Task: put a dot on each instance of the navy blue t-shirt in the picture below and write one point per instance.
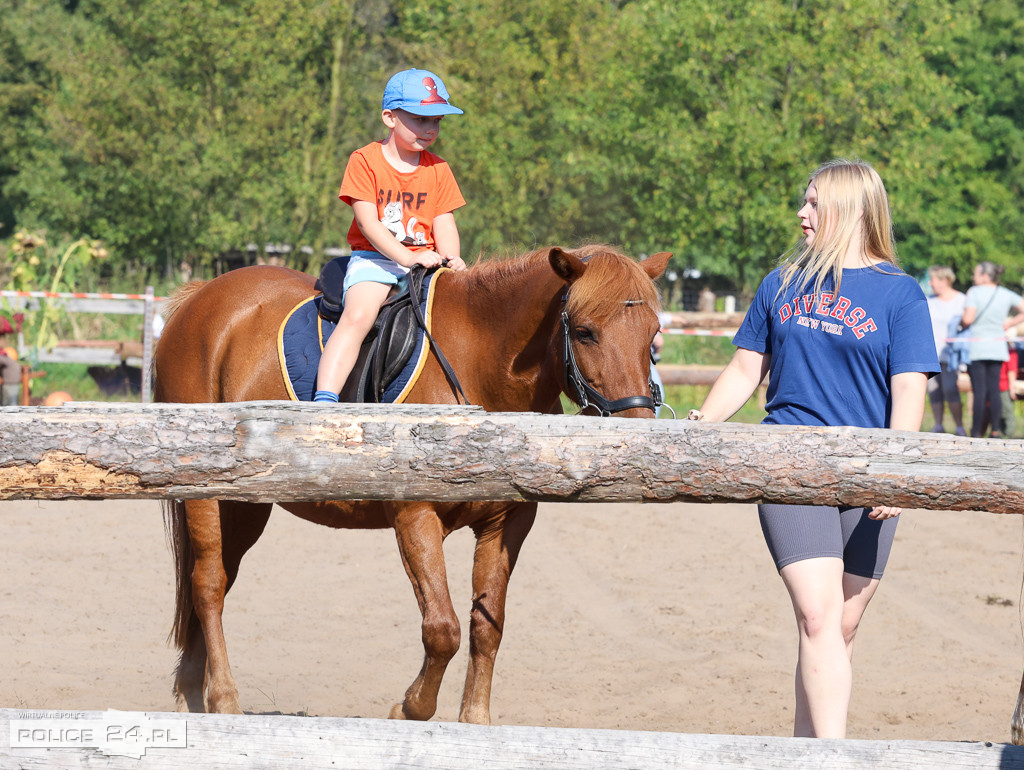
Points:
(833, 356)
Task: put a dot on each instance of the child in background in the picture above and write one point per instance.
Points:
(1008, 392)
(10, 369)
(402, 199)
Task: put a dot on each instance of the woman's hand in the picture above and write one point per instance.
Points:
(884, 512)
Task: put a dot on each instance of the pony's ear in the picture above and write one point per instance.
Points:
(568, 266)
(655, 264)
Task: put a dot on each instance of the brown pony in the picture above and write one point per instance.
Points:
(501, 326)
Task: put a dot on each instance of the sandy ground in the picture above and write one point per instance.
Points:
(658, 617)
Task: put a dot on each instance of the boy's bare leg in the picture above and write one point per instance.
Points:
(362, 303)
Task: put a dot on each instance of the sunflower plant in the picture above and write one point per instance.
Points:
(36, 265)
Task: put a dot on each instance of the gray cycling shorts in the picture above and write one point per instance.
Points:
(797, 532)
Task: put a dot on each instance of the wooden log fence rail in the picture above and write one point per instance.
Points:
(188, 741)
(279, 451)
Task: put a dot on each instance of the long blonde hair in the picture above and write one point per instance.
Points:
(850, 196)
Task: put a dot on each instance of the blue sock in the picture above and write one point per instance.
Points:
(325, 395)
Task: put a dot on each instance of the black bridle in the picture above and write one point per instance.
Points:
(585, 393)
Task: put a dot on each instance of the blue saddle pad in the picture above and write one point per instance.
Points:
(304, 333)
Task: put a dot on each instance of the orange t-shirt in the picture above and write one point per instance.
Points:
(406, 202)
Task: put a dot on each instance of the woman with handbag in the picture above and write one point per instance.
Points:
(987, 307)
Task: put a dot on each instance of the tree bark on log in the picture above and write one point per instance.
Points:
(278, 451)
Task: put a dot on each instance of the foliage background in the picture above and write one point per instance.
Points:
(183, 132)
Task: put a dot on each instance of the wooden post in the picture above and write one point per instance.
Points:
(25, 385)
(695, 319)
(279, 451)
(681, 374)
(27, 375)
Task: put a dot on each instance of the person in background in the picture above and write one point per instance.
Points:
(10, 369)
(706, 301)
(656, 347)
(987, 307)
(846, 337)
(1008, 391)
(946, 307)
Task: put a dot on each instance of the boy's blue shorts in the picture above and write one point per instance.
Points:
(372, 266)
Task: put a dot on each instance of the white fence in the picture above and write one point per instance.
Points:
(101, 353)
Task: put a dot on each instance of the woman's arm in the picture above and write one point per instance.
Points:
(1015, 320)
(970, 313)
(908, 400)
(909, 392)
(735, 385)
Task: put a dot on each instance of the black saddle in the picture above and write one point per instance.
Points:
(391, 341)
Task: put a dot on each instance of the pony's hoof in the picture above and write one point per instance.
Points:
(183, 704)
(476, 718)
(226, 706)
(1016, 734)
(398, 712)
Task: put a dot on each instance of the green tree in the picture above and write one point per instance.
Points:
(972, 207)
(730, 105)
(524, 74)
(25, 80)
(185, 131)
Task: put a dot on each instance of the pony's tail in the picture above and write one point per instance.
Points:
(180, 545)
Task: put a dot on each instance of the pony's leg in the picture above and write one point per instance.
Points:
(1017, 721)
(420, 538)
(497, 549)
(220, 535)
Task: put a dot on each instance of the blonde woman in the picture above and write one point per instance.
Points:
(846, 339)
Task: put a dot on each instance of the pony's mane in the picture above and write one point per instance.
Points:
(612, 279)
(495, 272)
(177, 299)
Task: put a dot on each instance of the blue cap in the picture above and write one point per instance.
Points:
(419, 92)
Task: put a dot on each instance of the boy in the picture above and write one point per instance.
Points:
(402, 199)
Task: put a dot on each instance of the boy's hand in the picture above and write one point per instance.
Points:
(427, 259)
(454, 263)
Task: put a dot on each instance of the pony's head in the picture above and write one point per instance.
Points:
(610, 319)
